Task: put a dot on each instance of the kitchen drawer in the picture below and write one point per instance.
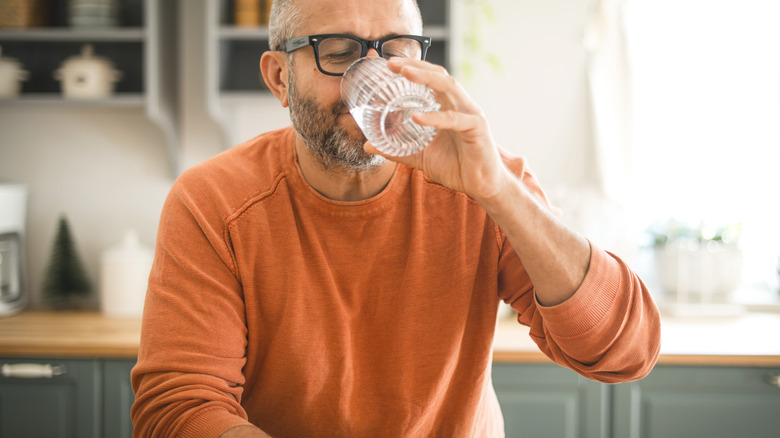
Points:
(66, 405)
(546, 400)
(691, 402)
(118, 398)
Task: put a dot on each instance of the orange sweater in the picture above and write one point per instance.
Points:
(271, 304)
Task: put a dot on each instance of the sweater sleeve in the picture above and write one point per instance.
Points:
(188, 379)
(609, 330)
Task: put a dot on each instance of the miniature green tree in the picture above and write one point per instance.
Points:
(65, 277)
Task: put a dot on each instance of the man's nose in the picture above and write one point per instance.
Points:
(372, 52)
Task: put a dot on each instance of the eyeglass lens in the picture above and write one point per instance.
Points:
(336, 54)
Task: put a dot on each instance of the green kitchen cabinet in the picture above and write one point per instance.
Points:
(61, 398)
(50, 398)
(693, 402)
(118, 398)
(546, 400)
(92, 398)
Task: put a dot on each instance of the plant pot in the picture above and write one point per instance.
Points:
(691, 272)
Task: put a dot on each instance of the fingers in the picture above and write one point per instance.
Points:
(396, 63)
(368, 147)
(448, 91)
(426, 73)
(448, 120)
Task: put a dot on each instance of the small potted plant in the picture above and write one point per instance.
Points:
(699, 264)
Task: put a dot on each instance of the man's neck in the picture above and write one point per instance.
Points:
(340, 184)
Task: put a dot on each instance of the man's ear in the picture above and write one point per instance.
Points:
(273, 66)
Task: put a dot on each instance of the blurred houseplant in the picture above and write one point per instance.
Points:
(699, 264)
(65, 281)
(479, 16)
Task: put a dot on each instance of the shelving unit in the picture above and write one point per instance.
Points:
(233, 56)
(232, 64)
(143, 48)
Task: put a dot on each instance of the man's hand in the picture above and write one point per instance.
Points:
(463, 155)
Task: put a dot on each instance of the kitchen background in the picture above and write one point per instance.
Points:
(108, 169)
(631, 113)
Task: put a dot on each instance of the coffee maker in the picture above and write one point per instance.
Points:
(13, 207)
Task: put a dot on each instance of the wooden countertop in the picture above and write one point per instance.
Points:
(69, 334)
(749, 339)
(746, 340)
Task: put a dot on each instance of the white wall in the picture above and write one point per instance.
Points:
(106, 169)
(537, 102)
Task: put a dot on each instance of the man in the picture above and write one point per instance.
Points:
(306, 286)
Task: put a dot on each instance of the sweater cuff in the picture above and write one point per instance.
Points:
(211, 422)
(591, 302)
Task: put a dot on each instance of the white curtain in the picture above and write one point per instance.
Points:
(609, 83)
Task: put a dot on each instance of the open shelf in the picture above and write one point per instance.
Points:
(143, 48)
(122, 100)
(54, 34)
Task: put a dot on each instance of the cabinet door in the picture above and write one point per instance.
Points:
(550, 401)
(64, 405)
(696, 402)
(118, 398)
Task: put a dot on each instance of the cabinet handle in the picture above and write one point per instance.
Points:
(32, 370)
(773, 380)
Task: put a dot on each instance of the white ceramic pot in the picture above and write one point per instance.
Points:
(699, 273)
(11, 76)
(87, 76)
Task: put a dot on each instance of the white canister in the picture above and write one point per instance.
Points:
(11, 76)
(124, 279)
(87, 76)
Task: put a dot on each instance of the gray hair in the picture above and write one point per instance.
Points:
(286, 14)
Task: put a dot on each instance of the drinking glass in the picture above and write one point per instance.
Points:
(382, 103)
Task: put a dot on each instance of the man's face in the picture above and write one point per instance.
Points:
(324, 133)
(316, 109)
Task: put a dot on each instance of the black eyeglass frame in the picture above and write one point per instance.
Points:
(294, 44)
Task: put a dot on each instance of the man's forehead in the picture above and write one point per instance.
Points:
(362, 18)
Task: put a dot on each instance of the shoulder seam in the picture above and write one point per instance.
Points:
(240, 211)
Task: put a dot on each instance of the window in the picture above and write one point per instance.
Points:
(706, 103)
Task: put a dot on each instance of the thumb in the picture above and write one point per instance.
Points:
(371, 149)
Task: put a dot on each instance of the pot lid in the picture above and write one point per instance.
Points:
(88, 56)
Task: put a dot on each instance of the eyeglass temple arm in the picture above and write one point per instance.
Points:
(294, 44)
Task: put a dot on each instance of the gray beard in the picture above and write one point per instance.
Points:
(330, 144)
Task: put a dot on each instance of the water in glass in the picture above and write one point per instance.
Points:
(382, 103)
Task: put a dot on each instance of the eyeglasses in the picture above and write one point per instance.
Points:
(335, 52)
